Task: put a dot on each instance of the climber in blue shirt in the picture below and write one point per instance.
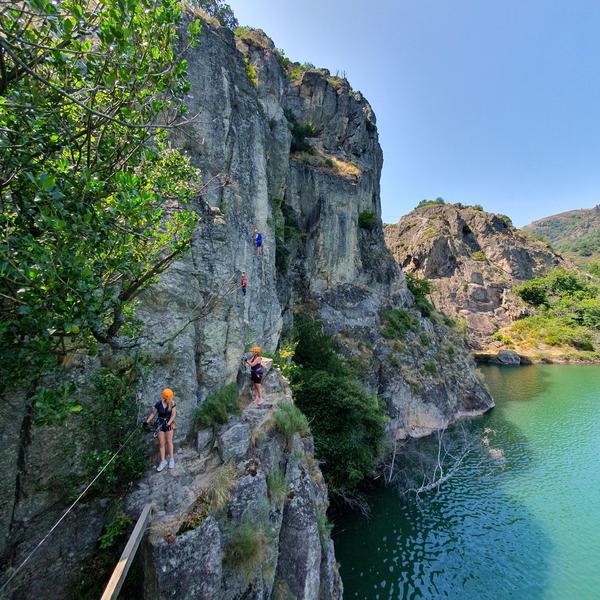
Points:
(258, 239)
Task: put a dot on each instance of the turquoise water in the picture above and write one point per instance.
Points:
(524, 527)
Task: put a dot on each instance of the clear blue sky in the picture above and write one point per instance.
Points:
(478, 101)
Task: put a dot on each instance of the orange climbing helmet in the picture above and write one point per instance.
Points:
(167, 394)
(256, 350)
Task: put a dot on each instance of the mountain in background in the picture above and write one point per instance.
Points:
(575, 233)
(473, 259)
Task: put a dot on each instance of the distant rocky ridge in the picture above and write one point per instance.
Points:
(474, 259)
(575, 233)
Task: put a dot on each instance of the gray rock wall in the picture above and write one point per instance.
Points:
(197, 323)
(474, 259)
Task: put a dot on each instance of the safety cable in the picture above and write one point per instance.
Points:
(24, 562)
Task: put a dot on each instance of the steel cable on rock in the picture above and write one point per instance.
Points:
(4, 586)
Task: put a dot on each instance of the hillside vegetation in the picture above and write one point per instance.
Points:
(575, 233)
(565, 324)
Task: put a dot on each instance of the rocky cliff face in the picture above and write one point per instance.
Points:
(299, 158)
(474, 259)
(243, 515)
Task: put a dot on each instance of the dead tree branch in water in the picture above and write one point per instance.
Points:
(419, 466)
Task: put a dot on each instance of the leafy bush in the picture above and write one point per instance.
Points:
(115, 404)
(430, 366)
(507, 220)
(533, 292)
(346, 422)
(502, 338)
(299, 133)
(289, 420)
(448, 321)
(251, 72)
(593, 268)
(298, 70)
(420, 289)
(52, 405)
(398, 323)
(479, 255)
(367, 219)
(284, 62)
(95, 572)
(277, 486)
(114, 529)
(425, 340)
(477, 207)
(218, 407)
(347, 425)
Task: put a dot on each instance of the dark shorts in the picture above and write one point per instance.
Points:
(163, 426)
(256, 378)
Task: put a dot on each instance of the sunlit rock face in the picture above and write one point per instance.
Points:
(474, 259)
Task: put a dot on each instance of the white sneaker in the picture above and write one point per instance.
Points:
(171, 463)
(161, 465)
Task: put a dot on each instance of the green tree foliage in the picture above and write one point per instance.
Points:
(93, 198)
(568, 311)
(220, 11)
(420, 289)
(347, 423)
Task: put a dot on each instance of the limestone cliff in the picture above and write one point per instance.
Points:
(316, 257)
(295, 154)
(474, 259)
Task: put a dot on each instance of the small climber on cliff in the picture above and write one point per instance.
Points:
(256, 373)
(258, 240)
(166, 412)
(244, 282)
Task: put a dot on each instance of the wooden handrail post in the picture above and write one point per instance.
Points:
(117, 578)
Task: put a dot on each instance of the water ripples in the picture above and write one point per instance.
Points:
(524, 527)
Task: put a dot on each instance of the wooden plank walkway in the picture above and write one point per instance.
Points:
(111, 592)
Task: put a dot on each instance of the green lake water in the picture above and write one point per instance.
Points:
(526, 527)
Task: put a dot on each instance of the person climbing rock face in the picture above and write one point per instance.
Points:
(244, 282)
(258, 240)
(256, 373)
(166, 412)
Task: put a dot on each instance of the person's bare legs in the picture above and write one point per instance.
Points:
(161, 444)
(257, 394)
(169, 438)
